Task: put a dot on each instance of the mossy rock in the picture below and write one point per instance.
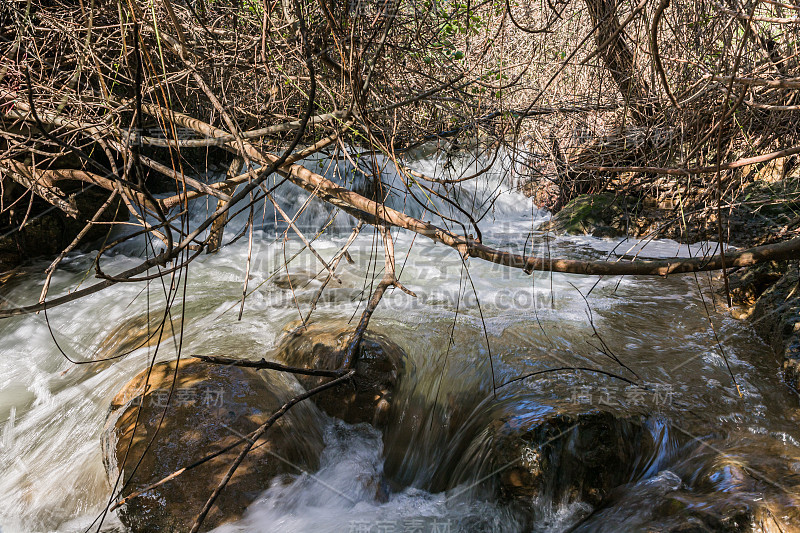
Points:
(601, 215)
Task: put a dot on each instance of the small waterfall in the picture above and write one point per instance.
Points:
(457, 420)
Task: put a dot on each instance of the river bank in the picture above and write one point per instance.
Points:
(766, 209)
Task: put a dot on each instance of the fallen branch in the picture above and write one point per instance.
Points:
(380, 215)
(263, 364)
(388, 280)
(252, 134)
(49, 177)
(788, 83)
(44, 188)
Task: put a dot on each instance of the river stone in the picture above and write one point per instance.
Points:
(211, 407)
(137, 332)
(751, 487)
(367, 397)
(294, 280)
(753, 484)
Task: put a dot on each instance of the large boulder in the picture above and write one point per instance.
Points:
(564, 457)
(529, 451)
(210, 408)
(367, 397)
(634, 471)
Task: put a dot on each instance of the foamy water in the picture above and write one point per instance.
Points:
(53, 411)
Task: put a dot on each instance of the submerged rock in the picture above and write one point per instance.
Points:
(137, 332)
(637, 473)
(539, 456)
(533, 452)
(707, 492)
(211, 407)
(564, 457)
(295, 280)
(367, 397)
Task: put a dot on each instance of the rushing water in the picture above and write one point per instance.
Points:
(467, 332)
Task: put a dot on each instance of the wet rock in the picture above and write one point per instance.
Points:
(748, 285)
(601, 215)
(565, 457)
(632, 506)
(138, 332)
(791, 364)
(557, 454)
(295, 280)
(662, 503)
(368, 396)
(724, 473)
(532, 453)
(708, 492)
(748, 488)
(211, 407)
(767, 296)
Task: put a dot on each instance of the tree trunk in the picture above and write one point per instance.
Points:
(618, 58)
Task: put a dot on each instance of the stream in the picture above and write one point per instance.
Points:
(666, 356)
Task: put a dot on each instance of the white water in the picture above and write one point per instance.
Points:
(52, 411)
